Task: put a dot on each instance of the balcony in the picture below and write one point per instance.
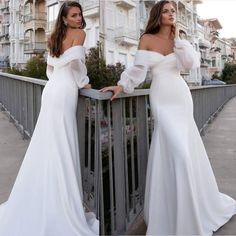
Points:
(204, 43)
(36, 21)
(198, 1)
(127, 4)
(4, 7)
(214, 35)
(214, 69)
(35, 48)
(91, 9)
(4, 38)
(127, 37)
(150, 3)
(205, 62)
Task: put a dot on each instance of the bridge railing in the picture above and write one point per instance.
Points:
(114, 139)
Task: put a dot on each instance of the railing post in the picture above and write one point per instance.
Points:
(119, 175)
(81, 112)
(142, 141)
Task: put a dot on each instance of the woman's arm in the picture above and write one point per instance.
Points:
(133, 76)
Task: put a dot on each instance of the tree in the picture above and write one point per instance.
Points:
(229, 73)
(99, 73)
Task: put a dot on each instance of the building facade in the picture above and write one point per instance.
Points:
(4, 33)
(26, 24)
(116, 24)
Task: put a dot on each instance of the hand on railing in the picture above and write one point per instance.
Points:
(115, 89)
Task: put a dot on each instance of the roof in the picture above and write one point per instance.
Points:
(213, 21)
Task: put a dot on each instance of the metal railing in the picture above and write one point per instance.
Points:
(114, 139)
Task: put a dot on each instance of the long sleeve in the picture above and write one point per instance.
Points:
(79, 71)
(135, 75)
(187, 56)
(49, 71)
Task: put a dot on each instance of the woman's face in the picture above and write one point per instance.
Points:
(168, 16)
(74, 17)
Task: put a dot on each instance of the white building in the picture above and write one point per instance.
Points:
(25, 25)
(119, 30)
(4, 33)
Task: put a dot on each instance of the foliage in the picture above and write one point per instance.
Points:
(36, 68)
(215, 76)
(99, 73)
(14, 71)
(229, 73)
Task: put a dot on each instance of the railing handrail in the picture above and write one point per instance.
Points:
(25, 78)
(96, 94)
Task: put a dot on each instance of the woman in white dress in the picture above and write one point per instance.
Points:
(181, 197)
(47, 196)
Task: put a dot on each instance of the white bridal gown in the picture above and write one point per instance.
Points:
(46, 199)
(182, 197)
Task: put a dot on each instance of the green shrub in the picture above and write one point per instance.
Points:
(229, 73)
(99, 73)
(36, 68)
(14, 71)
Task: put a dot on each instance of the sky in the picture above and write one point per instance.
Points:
(224, 11)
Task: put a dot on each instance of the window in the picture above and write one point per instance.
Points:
(122, 58)
(52, 14)
(213, 62)
(110, 57)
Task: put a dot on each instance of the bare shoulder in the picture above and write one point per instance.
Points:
(78, 36)
(143, 43)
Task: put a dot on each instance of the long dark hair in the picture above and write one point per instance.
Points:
(154, 21)
(59, 31)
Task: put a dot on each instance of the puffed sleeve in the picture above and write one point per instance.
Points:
(135, 75)
(79, 71)
(49, 70)
(187, 57)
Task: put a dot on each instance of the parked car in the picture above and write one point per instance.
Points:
(209, 81)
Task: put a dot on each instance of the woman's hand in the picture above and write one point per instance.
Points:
(115, 89)
(87, 86)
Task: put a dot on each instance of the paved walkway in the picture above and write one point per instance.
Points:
(12, 150)
(220, 142)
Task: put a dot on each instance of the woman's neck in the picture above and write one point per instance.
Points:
(165, 32)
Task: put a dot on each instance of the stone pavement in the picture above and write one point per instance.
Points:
(219, 140)
(12, 150)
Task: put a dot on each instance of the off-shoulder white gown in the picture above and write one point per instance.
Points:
(46, 199)
(182, 197)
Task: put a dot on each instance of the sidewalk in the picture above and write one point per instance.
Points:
(12, 150)
(220, 143)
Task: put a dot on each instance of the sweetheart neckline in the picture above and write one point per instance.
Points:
(155, 52)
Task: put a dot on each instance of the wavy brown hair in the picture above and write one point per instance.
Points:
(154, 21)
(60, 29)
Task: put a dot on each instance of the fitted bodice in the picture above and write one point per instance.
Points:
(169, 66)
(163, 66)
